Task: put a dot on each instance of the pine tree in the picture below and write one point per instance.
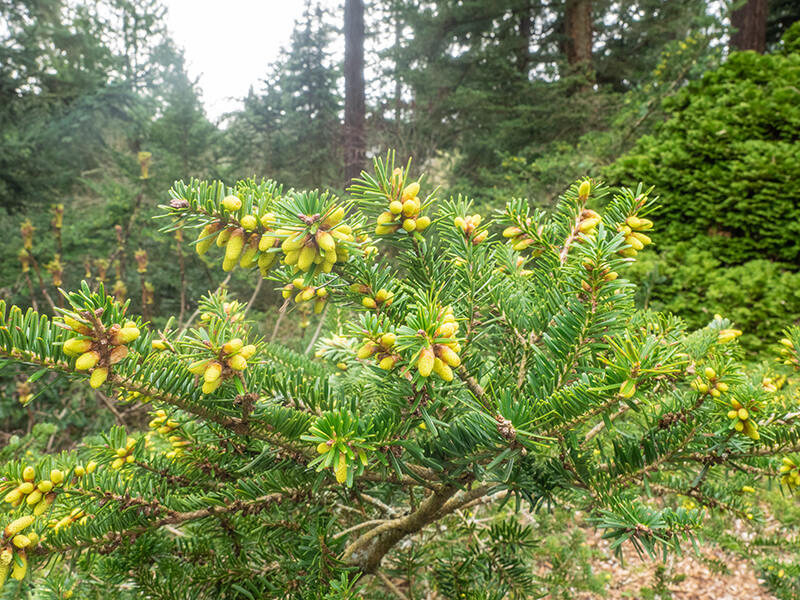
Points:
(291, 129)
(475, 368)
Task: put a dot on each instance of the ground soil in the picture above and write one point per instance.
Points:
(690, 577)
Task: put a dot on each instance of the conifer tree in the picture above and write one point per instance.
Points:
(476, 367)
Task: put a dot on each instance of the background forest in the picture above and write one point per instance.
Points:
(98, 117)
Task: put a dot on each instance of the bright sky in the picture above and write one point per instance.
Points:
(230, 44)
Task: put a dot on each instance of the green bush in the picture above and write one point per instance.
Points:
(760, 296)
(727, 161)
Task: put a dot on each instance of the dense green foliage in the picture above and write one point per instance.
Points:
(759, 296)
(726, 163)
(98, 117)
(727, 159)
(474, 369)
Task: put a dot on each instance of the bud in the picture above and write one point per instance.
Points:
(385, 218)
(19, 569)
(449, 357)
(396, 207)
(306, 258)
(212, 372)
(249, 223)
(341, 469)
(13, 496)
(206, 237)
(425, 362)
(386, 229)
(87, 360)
(223, 237)
(335, 217)
(387, 363)
(634, 243)
(410, 191)
(633, 222)
(325, 241)
(28, 473)
(237, 362)
(232, 203)
(247, 352)
(442, 370)
(26, 488)
(409, 225)
(323, 447)
(710, 373)
(366, 350)
(584, 189)
(18, 525)
(56, 476)
(249, 256)
(76, 346)
(410, 208)
(198, 367)
(77, 326)
(99, 376)
(422, 223)
(233, 249)
(232, 346)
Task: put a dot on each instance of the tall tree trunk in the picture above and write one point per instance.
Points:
(578, 23)
(523, 54)
(354, 103)
(750, 22)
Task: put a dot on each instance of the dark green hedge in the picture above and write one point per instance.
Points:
(727, 162)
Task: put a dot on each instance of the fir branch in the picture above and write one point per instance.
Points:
(112, 539)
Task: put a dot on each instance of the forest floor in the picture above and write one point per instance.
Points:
(686, 577)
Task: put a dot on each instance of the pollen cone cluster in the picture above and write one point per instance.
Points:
(790, 473)
(404, 212)
(742, 421)
(518, 239)
(247, 242)
(469, 226)
(379, 299)
(97, 350)
(319, 245)
(37, 494)
(13, 544)
(381, 349)
(632, 230)
(442, 354)
(306, 293)
(231, 359)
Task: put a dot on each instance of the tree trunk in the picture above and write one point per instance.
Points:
(578, 21)
(523, 54)
(354, 103)
(750, 23)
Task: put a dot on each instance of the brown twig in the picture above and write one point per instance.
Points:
(318, 330)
